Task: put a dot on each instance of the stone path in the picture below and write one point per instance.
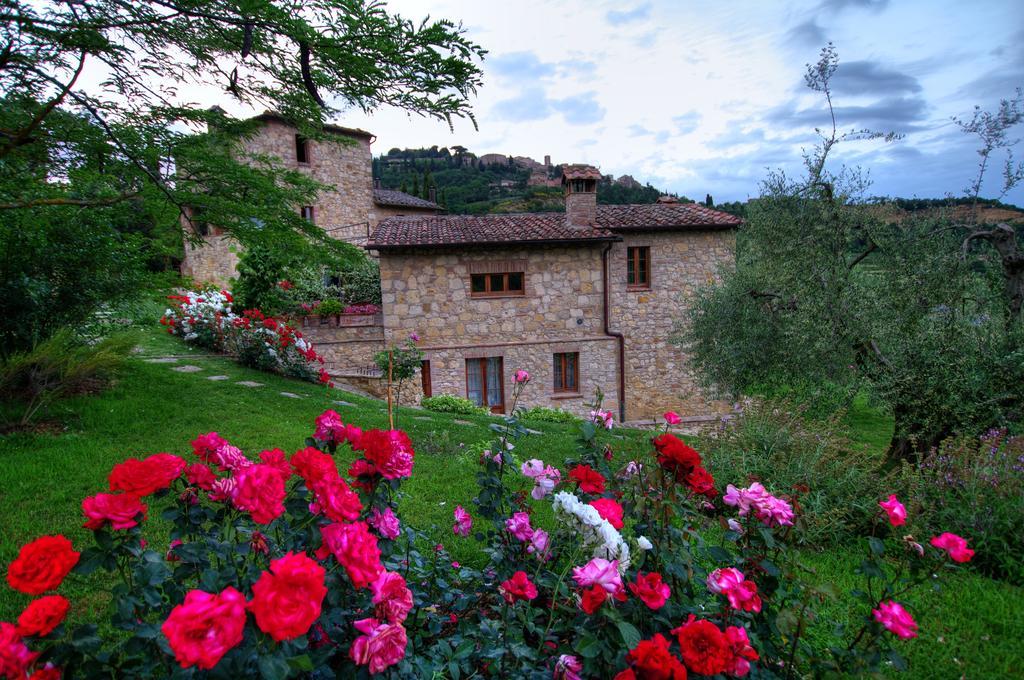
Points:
(339, 402)
(291, 395)
(186, 369)
(162, 360)
(249, 383)
(217, 377)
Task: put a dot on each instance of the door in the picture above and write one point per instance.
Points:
(485, 383)
(428, 390)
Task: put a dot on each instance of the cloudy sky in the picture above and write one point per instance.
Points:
(701, 96)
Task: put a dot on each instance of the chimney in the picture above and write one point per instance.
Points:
(432, 192)
(668, 199)
(580, 183)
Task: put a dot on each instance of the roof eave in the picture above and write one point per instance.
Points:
(491, 244)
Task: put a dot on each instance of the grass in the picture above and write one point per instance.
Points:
(972, 629)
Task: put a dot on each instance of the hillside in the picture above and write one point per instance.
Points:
(493, 183)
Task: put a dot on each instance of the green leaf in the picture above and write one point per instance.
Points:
(877, 546)
(273, 667)
(630, 635)
(589, 647)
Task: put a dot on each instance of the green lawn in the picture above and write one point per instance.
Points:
(972, 629)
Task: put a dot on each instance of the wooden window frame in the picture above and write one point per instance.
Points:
(633, 257)
(425, 381)
(303, 144)
(561, 358)
(496, 408)
(505, 292)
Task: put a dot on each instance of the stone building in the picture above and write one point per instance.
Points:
(349, 212)
(583, 300)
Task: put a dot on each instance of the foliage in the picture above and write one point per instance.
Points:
(585, 596)
(328, 307)
(399, 363)
(919, 314)
(360, 283)
(261, 270)
(58, 366)
(253, 338)
(832, 480)
(450, 403)
(549, 415)
(975, 487)
(47, 285)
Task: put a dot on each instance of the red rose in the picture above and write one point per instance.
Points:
(675, 456)
(276, 459)
(628, 674)
(651, 589)
(119, 510)
(336, 500)
(742, 652)
(143, 477)
(392, 597)
(260, 492)
(609, 510)
(313, 465)
(202, 629)
(390, 452)
(47, 672)
(42, 565)
(593, 598)
(205, 445)
(651, 660)
(200, 475)
(700, 481)
(518, 587)
(704, 648)
(43, 615)
(286, 600)
(15, 657)
(589, 479)
(355, 548)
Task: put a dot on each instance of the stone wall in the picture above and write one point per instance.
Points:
(658, 375)
(345, 212)
(346, 350)
(428, 293)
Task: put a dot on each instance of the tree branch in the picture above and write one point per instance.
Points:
(63, 200)
(23, 134)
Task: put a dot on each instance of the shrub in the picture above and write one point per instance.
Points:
(449, 403)
(833, 479)
(622, 583)
(260, 273)
(56, 367)
(975, 488)
(549, 415)
(255, 339)
(330, 307)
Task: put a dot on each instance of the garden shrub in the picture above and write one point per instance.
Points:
(281, 567)
(450, 403)
(330, 307)
(975, 487)
(56, 367)
(833, 479)
(549, 415)
(261, 271)
(259, 341)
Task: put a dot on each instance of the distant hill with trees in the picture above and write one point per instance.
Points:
(467, 184)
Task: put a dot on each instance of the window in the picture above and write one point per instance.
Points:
(301, 149)
(428, 389)
(307, 213)
(201, 226)
(638, 267)
(567, 372)
(509, 283)
(485, 383)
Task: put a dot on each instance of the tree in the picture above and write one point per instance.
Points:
(829, 298)
(709, 202)
(70, 145)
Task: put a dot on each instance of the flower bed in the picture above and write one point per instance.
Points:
(206, 319)
(281, 566)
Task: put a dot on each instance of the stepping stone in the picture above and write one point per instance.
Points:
(339, 402)
(421, 418)
(463, 422)
(162, 360)
(217, 377)
(249, 383)
(291, 395)
(534, 431)
(186, 369)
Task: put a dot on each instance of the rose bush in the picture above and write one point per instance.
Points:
(281, 566)
(207, 319)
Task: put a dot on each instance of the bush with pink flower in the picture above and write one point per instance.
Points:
(282, 565)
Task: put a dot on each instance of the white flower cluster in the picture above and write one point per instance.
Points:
(597, 532)
(201, 309)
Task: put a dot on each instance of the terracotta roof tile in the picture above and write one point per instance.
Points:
(452, 230)
(401, 199)
(581, 172)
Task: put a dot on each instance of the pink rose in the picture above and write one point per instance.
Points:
(519, 526)
(896, 619)
(392, 597)
(672, 418)
(463, 522)
(386, 523)
(538, 544)
(260, 491)
(599, 572)
(568, 667)
(381, 644)
(355, 548)
(522, 377)
(897, 513)
(741, 592)
(202, 629)
(954, 545)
